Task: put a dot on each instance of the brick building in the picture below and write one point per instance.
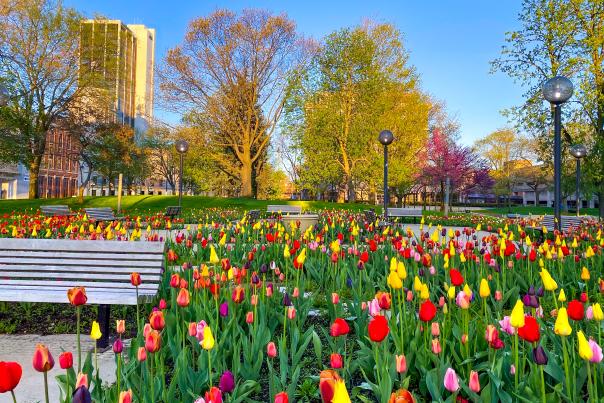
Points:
(60, 168)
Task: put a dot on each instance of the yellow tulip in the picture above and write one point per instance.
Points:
(589, 252)
(208, 339)
(517, 316)
(95, 332)
(528, 241)
(393, 264)
(451, 292)
(340, 394)
(562, 296)
(585, 350)
(222, 240)
(213, 256)
(485, 290)
(401, 271)
(394, 281)
(424, 293)
(585, 274)
(417, 284)
(561, 326)
(548, 282)
(597, 311)
(467, 290)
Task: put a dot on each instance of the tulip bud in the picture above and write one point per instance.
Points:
(436, 348)
(401, 363)
(192, 329)
(125, 396)
(539, 356)
(296, 292)
(227, 382)
(81, 380)
(118, 346)
(135, 279)
(435, 329)
(336, 361)
(249, 317)
(464, 338)
(120, 326)
(162, 304)
(81, 395)
(474, 382)
(142, 354)
(335, 298)
(42, 360)
(271, 350)
(254, 299)
(183, 299)
(291, 313)
(66, 360)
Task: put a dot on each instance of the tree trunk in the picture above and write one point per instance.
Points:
(351, 192)
(246, 179)
(442, 196)
(536, 198)
(34, 171)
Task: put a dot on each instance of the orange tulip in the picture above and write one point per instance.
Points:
(135, 279)
(120, 326)
(42, 361)
(82, 380)
(183, 298)
(327, 384)
(77, 296)
(401, 396)
(153, 341)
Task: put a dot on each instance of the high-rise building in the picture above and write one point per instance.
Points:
(118, 59)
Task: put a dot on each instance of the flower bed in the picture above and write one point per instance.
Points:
(397, 315)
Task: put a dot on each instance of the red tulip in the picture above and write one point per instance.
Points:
(10, 375)
(281, 397)
(66, 360)
(271, 349)
(575, 310)
(238, 294)
(214, 395)
(42, 361)
(530, 330)
(364, 256)
(339, 328)
(77, 296)
(427, 311)
(384, 299)
(153, 341)
(378, 328)
(336, 361)
(156, 320)
(456, 277)
(174, 280)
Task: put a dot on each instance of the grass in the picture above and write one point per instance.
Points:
(131, 204)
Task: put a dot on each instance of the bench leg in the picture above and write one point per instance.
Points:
(103, 319)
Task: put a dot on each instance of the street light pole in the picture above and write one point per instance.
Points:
(578, 151)
(386, 138)
(556, 91)
(181, 146)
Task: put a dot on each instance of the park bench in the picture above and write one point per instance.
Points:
(284, 209)
(513, 216)
(172, 212)
(396, 212)
(42, 270)
(250, 217)
(101, 214)
(57, 210)
(566, 222)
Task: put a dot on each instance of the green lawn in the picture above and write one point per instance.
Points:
(158, 203)
(535, 211)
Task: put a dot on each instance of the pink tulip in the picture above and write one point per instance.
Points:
(506, 326)
(597, 351)
(451, 382)
(498, 296)
(589, 313)
(512, 369)
(436, 348)
(435, 329)
(401, 363)
(409, 296)
(374, 307)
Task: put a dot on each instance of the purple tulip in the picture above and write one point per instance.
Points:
(118, 346)
(224, 309)
(539, 356)
(227, 382)
(81, 395)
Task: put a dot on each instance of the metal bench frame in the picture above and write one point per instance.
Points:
(101, 214)
(397, 212)
(42, 270)
(56, 210)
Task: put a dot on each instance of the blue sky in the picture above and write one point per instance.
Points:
(450, 42)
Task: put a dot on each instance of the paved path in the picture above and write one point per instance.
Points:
(20, 348)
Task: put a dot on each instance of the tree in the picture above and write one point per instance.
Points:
(233, 69)
(39, 66)
(358, 83)
(505, 152)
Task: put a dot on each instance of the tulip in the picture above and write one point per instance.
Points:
(249, 317)
(435, 329)
(530, 331)
(394, 281)
(183, 299)
(66, 360)
(125, 396)
(141, 354)
(450, 381)
(474, 382)
(213, 395)
(43, 362)
(118, 346)
(548, 282)
(81, 380)
(539, 356)
(238, 295)
(95, 331)
(597, 312)
(576, 310)
(135, 279)
(401, 396)
(291, 313)
(156, 320)
(436, 348)
(271, 349)
(585, 351)
(81, 395)
(378, 328)
(427, 311)
(192, 329)
(208, 339)
(339, 328)
(562, 326)
(335, 361)
(401, 363)
(281, 397)
(10, 375)
(120, 326)
(153, 341)
(163, 304)
(384, 299)
(227, 382)
(517, 316)
(224, 310)
(77, 296)
(484, 290)
(596, 350)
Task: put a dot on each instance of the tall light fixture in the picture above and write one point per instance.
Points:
(386, 138)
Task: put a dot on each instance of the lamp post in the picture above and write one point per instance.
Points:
(181, 146)
(556, 91)
(578, 151)
(386, 138)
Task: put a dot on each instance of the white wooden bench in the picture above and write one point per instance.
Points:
(284, 209)
(57, 210)
(395, 212)
(42, 270)
(566, 222)
(101, 214)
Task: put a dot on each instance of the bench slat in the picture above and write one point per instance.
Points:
(98, 296)
(76, 269)
(76, 262)
(65, 245)
(125, 278)
(85, 255)
(145, 288)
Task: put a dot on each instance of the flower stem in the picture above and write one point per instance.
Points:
(210, 369)
(78, 310)
(46, 386)
(566, 376)
(542, 384)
